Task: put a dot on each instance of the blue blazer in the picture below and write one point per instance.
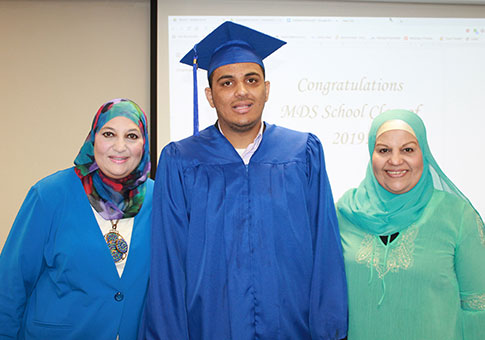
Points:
(57, 277)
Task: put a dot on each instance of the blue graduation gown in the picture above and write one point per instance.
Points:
(245, 252)
(57, 277)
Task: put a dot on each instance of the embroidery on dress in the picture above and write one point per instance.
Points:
(400, 256)
(473, 302)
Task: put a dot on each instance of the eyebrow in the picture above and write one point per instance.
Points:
(411, 142)
(113, 129)
(405, 144)
(227, 76)
(230, 76)
(252, 74)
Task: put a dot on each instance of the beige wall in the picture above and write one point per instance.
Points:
(59, 61)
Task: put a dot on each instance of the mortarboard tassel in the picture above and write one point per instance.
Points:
(196, 101)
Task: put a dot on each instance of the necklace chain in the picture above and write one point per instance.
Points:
(114, 224)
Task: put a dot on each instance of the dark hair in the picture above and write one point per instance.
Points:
(209, 76)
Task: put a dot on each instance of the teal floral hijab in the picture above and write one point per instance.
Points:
(114, 198)
(380, 212)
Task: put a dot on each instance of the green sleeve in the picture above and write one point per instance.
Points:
(470, 272)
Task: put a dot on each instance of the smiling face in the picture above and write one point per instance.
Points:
(118, 147)
(397, 161)
(238, 94)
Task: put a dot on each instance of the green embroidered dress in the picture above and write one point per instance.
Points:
(434, 277)
(429, 282)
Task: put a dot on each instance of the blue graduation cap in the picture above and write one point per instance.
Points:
(230, 43)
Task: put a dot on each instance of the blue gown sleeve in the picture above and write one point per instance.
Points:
(328, 300)
(470, 273)
(165, 315)
(21, 261)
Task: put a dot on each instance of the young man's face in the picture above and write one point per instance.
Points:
(238, 94)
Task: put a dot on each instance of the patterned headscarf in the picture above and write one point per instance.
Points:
(114, 198)
(381, 212)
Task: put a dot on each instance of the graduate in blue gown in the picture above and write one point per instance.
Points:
(245, 241)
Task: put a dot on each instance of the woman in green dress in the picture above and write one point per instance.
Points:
(414, 245)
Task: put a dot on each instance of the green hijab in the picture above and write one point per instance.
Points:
(380, 212)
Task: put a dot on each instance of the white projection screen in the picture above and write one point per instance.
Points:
(336, 73)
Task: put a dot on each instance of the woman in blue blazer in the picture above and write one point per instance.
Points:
(76, 262)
